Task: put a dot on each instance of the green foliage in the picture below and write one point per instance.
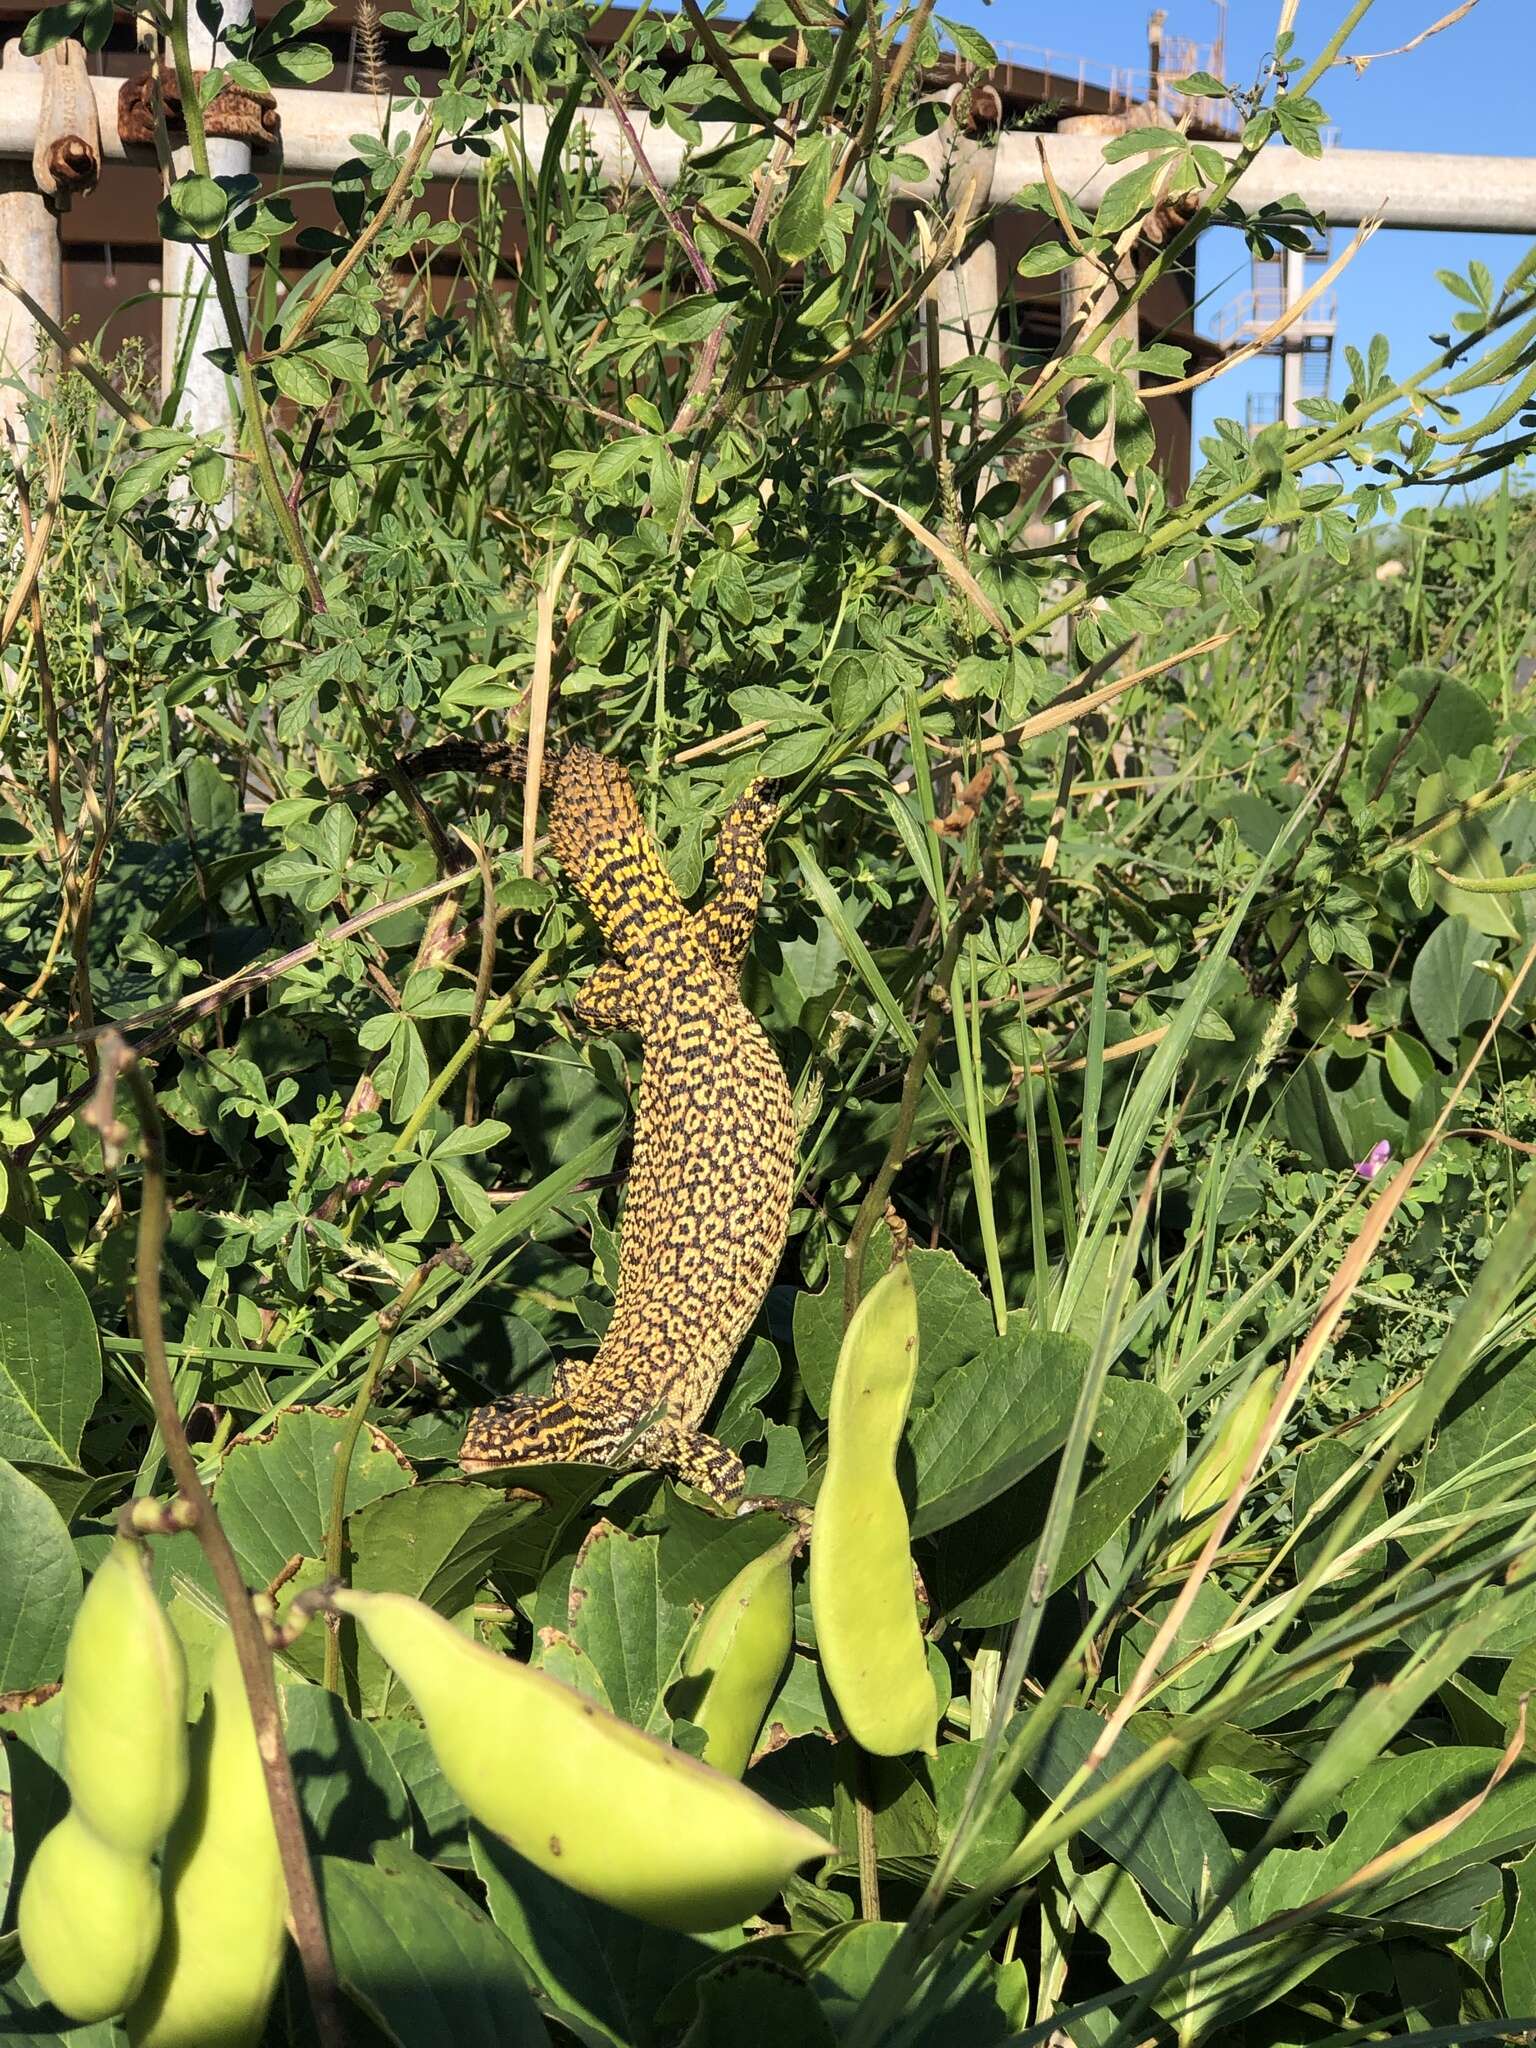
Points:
(679, 458)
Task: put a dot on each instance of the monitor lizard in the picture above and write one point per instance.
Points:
(706, 1213)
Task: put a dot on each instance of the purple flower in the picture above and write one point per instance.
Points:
(1375, 1159)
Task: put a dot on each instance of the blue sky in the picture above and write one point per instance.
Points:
(1466, 90)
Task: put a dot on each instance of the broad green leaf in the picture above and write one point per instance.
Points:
(274, 1492)
(350, 1790)
(434, 1542)
(955, 1320)
(40, 1584)
(991, 1422)
(1181, 1689)
(1160, 1831)
(422, 1960)
(301, 379)
(753, 2002)
(441, 1819)
(1392, 1800)
(50, 1361)
(1483, 1447)
(797, 225)
(609, 1972)
(1463, 849)
(979, 1569)
(1517, 1951)
(624, 1622)
(1448, 991)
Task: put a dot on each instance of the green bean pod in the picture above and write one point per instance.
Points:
(1219, 1466)
(863, 1599)
(125, 1707)
(587, 1798)
(217, 1967)
(89, 1919)
(738, 1656)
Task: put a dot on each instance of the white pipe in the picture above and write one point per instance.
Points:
(192, 323)
(1487, 194)
(29, 242)
(1406, 189)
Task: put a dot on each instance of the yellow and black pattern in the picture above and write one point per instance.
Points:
(706, 1212)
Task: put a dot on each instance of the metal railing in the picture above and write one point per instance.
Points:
(1125, 85)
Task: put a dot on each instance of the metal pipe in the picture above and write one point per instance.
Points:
(1487, 194)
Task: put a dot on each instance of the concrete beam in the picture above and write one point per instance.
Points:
(1487, 194)
(1406, 189)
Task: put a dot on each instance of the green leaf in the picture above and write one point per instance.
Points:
(979, 1569)
(1463, 848)
(1161, 1831)
(40, 1585)
(274, 1492)
(1517, 1951)
(197, 207)
(954, 1318)
(798, 223)
(349, 1789)
(685, 320)
(1449, 993)
(301, 379)
(137, 483)
(604, 1970)
(50, 1360)
(991, 1422)
(624, 1622)
(422, 1960)
(441, 1817)
(434, 1542)
(208, 473)
(751, 2001)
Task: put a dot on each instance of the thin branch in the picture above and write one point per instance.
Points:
(669, 214)
(1446, 21)
(120, 1062)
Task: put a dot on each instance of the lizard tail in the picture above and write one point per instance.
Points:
(606, 848)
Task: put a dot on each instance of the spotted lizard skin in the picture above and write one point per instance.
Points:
(707, 1208)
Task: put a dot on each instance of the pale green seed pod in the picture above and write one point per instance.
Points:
(1219, 1466)
(863, 1598)
(738, 1654)
(587, 1798)
(125, 1707)
(217, 1967)
(89, 1919)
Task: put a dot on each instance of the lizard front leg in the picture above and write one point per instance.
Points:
(702, 1462)
(725, 925)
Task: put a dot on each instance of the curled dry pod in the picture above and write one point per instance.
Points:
(862, 1595)
(89, 1919)
(738, 1655)
(217, 1966)
(589, 1799)
(1219, 1466)
(125, 1707)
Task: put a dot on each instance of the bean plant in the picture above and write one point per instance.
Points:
(1144, 939)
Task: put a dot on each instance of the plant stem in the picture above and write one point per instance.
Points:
(335, 1528)
(978, 893)
(119, 1061)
